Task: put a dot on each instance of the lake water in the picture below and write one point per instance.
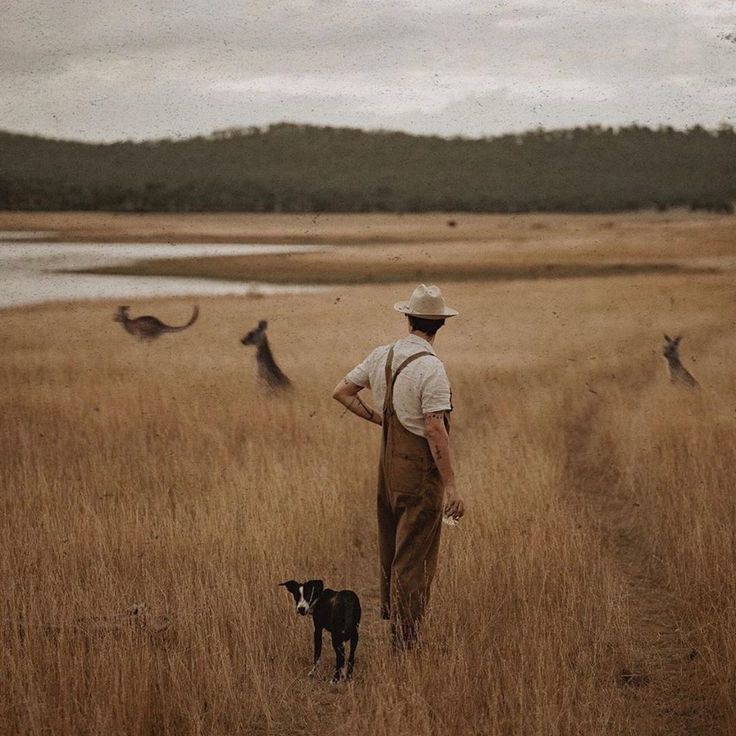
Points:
(34, 273)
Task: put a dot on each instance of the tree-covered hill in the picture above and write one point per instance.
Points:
(297, 168)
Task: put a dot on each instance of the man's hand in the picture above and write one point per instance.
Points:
(454, 505)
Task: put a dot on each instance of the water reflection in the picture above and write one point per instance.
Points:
(25, 234)
(33, 273)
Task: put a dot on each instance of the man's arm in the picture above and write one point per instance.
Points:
(346, 392)
(439, 443)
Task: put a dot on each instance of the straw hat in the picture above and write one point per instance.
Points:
(426, 302)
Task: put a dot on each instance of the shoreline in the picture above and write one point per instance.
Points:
(248, 268)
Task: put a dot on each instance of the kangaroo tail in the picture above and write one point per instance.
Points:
(192, 320)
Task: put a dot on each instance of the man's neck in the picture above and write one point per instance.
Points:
(424, 336)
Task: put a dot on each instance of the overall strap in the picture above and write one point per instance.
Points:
(388, 409)
(388, 402)
(387, 397)
(410, 359)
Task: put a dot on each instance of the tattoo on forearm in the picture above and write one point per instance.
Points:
(368, 412)
(436, 451)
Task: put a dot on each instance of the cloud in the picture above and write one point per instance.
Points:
(107, 70)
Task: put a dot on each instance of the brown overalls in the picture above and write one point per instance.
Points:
(410, 498)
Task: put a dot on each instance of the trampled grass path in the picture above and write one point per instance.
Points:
(668, 688)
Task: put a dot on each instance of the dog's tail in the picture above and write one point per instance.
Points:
(352, 615)
(349, 622)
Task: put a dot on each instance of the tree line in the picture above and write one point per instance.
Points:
(303, 168)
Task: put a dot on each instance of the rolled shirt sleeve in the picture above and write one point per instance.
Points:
(360, 375)
(436, 394)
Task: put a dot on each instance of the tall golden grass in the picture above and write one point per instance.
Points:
(589, 590)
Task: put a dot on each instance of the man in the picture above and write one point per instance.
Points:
(416, 481)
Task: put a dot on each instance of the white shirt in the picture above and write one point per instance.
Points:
(421, 388)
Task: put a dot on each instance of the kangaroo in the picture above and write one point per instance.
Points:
(678, 373)
(268, 371)
(148, 327)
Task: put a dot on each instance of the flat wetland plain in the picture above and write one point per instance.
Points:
(590, 589)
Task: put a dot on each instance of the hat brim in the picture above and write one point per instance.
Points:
(404, 308)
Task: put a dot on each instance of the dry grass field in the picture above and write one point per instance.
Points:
(590, 589)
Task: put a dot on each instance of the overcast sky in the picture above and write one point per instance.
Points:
(111, 69)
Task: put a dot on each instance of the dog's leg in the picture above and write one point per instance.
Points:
(351, 656)
(339, 648)
(317, 649)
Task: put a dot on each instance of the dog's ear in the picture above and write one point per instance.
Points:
(315, 587)
(292, 586)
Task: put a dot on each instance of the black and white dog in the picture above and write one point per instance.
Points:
(336, 611)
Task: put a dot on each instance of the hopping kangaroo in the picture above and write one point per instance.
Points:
(336, 611)
(268, 371)
(148, 327)
(678, 373)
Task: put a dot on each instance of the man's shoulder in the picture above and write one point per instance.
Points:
(382, 349)
(429, 366)
(378, 353)
(426, 365)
